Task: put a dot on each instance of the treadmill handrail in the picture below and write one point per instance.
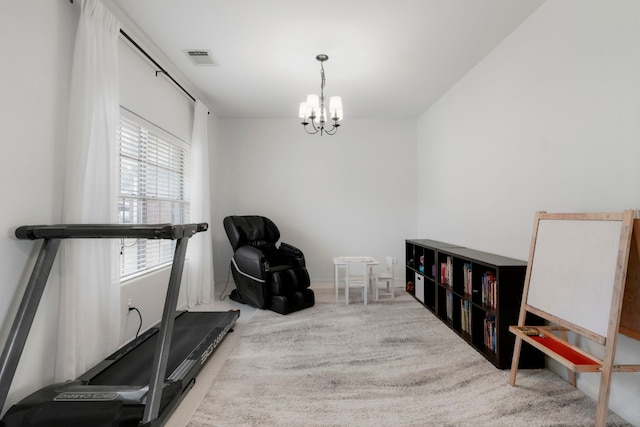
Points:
(135, 231)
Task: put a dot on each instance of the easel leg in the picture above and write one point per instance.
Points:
(603, 397)
(515, 361)
(571, 374)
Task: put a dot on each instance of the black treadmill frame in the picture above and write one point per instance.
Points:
(52, 235)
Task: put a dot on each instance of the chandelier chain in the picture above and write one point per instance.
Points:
(321, 85)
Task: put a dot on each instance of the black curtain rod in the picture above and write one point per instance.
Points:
(162, 70)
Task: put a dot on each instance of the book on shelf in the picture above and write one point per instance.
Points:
(446, 272)
(465, 316)
(489, 289)
(490, 332)
(449, 306)
(466, 278)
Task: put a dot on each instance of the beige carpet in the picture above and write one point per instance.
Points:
(391, 363)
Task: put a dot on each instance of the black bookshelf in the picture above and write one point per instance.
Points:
(476, 294)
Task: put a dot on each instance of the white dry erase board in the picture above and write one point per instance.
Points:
(573, 270)
(583, 275)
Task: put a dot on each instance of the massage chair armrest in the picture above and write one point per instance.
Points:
(250, 261)
(295, 255)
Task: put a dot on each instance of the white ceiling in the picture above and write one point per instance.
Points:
(387, 58)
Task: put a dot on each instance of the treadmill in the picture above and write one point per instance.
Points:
(143, 381)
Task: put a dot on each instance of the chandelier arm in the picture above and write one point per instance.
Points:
(307, 130)
(316, 128)
(331, 131)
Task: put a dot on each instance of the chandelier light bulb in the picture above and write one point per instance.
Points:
(335, 107)
(313, 105)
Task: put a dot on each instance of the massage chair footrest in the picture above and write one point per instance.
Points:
(285, 304)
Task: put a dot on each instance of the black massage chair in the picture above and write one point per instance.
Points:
(266, 276)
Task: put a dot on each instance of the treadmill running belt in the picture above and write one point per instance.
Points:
(190, 328)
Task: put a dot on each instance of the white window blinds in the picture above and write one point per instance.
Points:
(154, 189)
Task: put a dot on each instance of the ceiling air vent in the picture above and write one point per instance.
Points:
(200, 57)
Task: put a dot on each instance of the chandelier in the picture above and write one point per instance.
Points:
(313, 112)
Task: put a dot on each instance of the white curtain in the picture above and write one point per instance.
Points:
(199, 249)
(89, 327)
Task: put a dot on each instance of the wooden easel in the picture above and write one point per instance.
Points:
(583, 276)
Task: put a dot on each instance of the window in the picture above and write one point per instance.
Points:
(154, 189)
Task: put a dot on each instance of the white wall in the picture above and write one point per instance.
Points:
(36, 45)
(353, 193)
(548, 121)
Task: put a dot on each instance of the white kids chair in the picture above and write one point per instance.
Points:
(386, 275)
